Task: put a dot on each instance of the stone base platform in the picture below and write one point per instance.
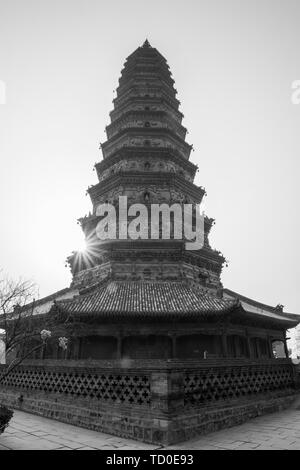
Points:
(147, 427)
(158, 402)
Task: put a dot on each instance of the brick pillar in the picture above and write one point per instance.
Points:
(42, 351)
(285, 348)
(257, 342)
(236, 341)
(270, 347)
(55, 351)
(167, 391)
(296, 375)
(79, 351)
(224, 344)
(167, 401)
(248, 344)
(174, 348)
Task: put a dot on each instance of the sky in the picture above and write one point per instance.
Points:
(233, 62)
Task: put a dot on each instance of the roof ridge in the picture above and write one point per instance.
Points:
(211, 296)
(85, 292)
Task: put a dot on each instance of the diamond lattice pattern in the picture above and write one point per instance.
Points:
(117, 388)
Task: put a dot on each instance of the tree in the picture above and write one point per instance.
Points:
(26, 331)
(21, 332)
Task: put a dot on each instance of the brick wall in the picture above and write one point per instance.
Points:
(148, 401)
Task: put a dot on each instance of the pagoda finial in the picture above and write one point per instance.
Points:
(146, 43)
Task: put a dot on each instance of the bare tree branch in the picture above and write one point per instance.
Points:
(17, 308)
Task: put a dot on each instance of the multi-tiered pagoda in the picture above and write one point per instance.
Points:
(169, 298)
(157, 349)
(146, 158)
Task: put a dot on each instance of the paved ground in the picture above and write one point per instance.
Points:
(275, 431)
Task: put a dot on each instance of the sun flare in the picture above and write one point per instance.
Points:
(81, 246)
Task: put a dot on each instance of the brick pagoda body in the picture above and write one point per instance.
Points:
(158, 349)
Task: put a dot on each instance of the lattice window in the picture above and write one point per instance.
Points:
(116, 388)
(212, 385)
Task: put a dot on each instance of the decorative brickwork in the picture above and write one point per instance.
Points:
(217, 384)
(104, 386)
(152, 402)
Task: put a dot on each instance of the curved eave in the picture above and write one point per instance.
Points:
(257, 309)
(144, 316)
(168, 300)
(271, 319)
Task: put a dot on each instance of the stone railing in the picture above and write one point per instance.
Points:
(164, 385)
(115, 386)
(204, 386)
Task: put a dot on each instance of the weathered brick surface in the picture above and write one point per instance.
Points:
(188, 426)
(144, 426)
(164, 419)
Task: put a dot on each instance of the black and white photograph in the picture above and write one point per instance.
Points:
(149, 202)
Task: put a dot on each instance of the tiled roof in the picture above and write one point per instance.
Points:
(142, 298)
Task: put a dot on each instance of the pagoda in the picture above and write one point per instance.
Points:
(157, 349)
(146, 159)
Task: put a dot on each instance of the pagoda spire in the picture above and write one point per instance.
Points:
(146, 43)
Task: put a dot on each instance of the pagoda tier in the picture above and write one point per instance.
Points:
(152, 119)
(146, 109)
(146, 158)
(160, 186)
(138, 102)
(146, 136)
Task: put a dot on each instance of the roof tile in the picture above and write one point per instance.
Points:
(142, 298)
